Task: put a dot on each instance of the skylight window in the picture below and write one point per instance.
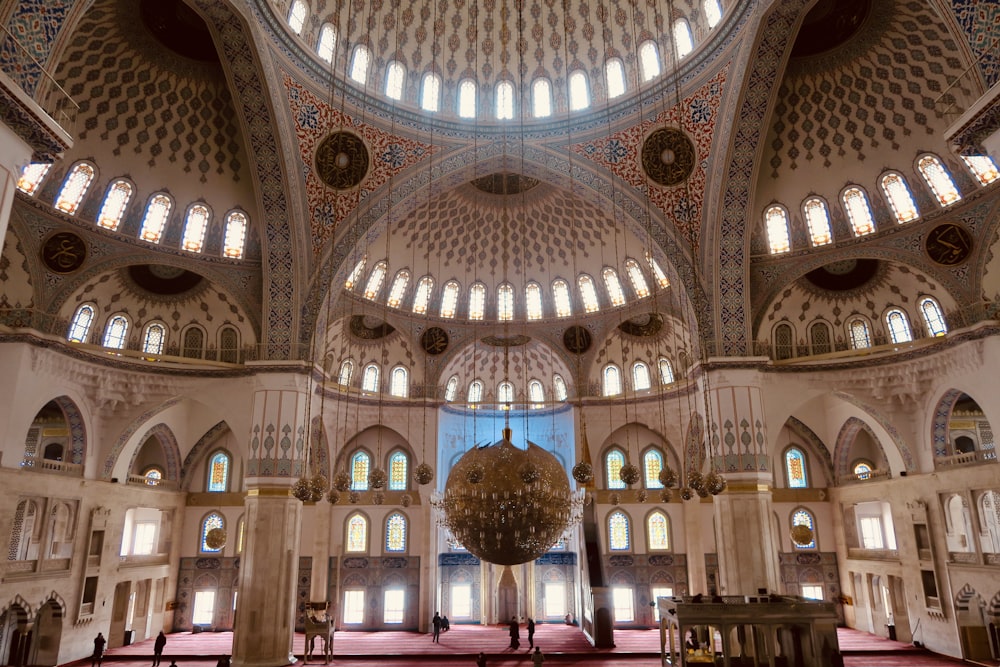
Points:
(637, 278)
(31, 176)
(533, 300)
(423, 295)
(352, 279)
(74, 188)
(900, 199)
(579, 94)
(560, 293)
(236, 235)
(541, 98)
(297, 16)
(938, 179)
(430, 94)
(614, 286)
(505, 100)
(375, 280)
(776, 222)
(359, 64)
(713, 12)
(859, 211)
(982, 166)
(477, 301)
(118, 197)
(505, 302)
(195, 227)
(155, 219)
(467, 99)
(683, 41)
(398, 290)
(614, 71)
(661, 277)
(394, 77)
(327, 42)
(588, 294)
(818, 221)
(649, 61)
(449, 299)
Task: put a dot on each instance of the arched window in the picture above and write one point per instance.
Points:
(933, 317)
(818, 221)
(636, 277)
(395, 75)
(658, 274)
(423, 295)
(505, 302)
(613, 462)
(612, 377)
(361, 464)
(819, 338)
(211, 522)
(899, 326)
(154, 338)
(157, 212)
(541, 98)
(666, 371)
(982, 166)
(938, 179)
(449, 299)
(861, 337)
(375, 280)
(588, 293)
(559, 387)
(327, 42)
(713, 12)
(652, 464)
(658, 531)
(776, 222)
(579, 93)
(74, 188)
(359, 64)
(505, 393)
(683, 40)
(614, 286)
(79, 328)
(802, 517)
(297, 16)
(31, 177)
(398, 289)
(649, 61)
(862, 469)
(560, 293)
(900, 199)
(614, 72)
(475, 391)
(467, 99)
(346, 373)
(451, 389)
(399, 382)
(193, 343)
(430, 92)
(218, 473)
(115, 332)
(369, 379)
(356, 272)
(195, 227)
(536, 393)
(477, 301)
(859, 211)
(395, 533)
(357, 534)
(640, 376)
(505, 100)
(533, 300)
(399, 470)
(795, 469)
(784, 342)
(153, 476)
(118, 196)
(619, 533)
(229, 345)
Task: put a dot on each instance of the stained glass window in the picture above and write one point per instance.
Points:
(155, 336)
(560, 292)
(615, 292)
(195, 228)
(613, 462)
(637, 279)
(862, 469)
(451, 389)
(118, 197)
(352, 279)
(859, 211)
(297, 16)
(395, 76)
(579, 95)
(399, 384)
(933, 317)
(369, 380)
(395, 533)
(683, 40)
(559, 387)
(860, 335)
(652, 464)
(218, 472)
(326, 43)
(375, 280)
(939, 180)
(79, 328)
(430, 94)
(640, 376)
(346, 372)
(31, 177)
(398, 289)
(153, 476)
(212, 521)
(666, 371)
(612, 380)
(661, 277)
(74, 188)
(900, 199)
(803, 518)
(359, 65)
(505, 100)
(982, 166)
(477, 301)
(541, 98)
(588, 294)
(619, 535)
(467, 99)
(533, 300)
(357, 534)
(818, 221)
(899, 326)
(795, 468)
(614, 71)
(399, 465)
(449, 299)
(157, 212)
(776, 222)
(657, 532)
(423, 295)
(360, 465)
(115, 332)
(649, 61)
(505, 302)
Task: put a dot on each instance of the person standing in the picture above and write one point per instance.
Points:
(481, 660)
(436, 622)
(537, 658)
(161, 641)
(99, 642)
(531, 633)
(515, 633)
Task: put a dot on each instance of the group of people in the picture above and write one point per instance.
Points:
(158, 645)
(515, 633)
(440, 624)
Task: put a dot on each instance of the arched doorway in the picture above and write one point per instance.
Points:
(48, 634)
(15, 636)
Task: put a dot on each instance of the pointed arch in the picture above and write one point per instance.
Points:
(168, 443)
(205, 444)
(845, 439)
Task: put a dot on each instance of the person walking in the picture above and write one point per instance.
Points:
(436, 622)
(481, 660)
(161, 641)
(515, 633)
(98, 656)
(537, 658)
(531, 633)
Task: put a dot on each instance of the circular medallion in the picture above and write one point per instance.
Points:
(434, 340)
(342, 160)
(668, 156)
(948, 244)
(64, 252)
(577, 339)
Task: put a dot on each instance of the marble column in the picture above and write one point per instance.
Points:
(265, 617)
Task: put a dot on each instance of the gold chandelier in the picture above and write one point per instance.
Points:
(508, 505)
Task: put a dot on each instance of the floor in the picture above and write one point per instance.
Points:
(565, 645)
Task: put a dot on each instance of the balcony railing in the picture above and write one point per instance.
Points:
(39, 464)
(26, 72)
(967, 458)
(161, 484)
(860, 477)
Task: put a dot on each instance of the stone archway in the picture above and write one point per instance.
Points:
(47, 633)
(972, 627)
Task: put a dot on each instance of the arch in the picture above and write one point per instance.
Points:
(360, 60)
(77, 431)
(649, 61)
(845, 439)
(168, 443)
(611, 380)
(356, 533)
(614, 75)
(229, 344)
(193, 341)
(504, 100)
(83, 320)
(818, 221)
(683, 40)
(116, 331)
(802, 516)
(48, 630)
(588, 293)
(898, 325)
(467, 104)
(820, 337)
(859, 210)
(900, 199)
(327, 42)
(297, 16)
(784, 341)
(422, 295)
(579, 91)
(205, 444)
(640, 376)
(814, 447)
(933, 316)
(859, 332)
(616, 295)
(154, 338)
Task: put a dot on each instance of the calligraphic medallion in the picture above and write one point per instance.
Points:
(434, 340)
(342, 160)
(577, 339)
(64, 252)
(668, 156)
(948, 244)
